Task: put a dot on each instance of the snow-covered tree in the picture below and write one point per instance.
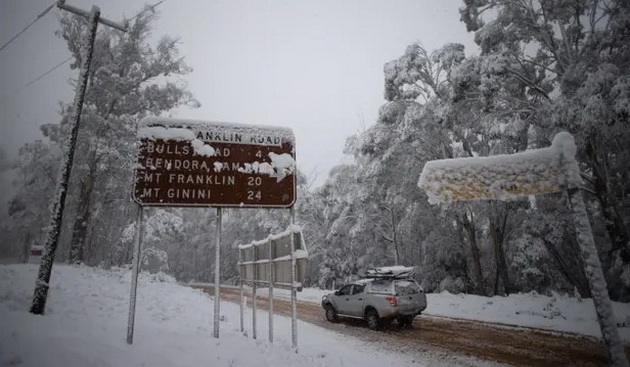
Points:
(574, 54)
(28, 211)
(129, 79)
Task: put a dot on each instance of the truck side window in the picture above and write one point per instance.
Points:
(358, 288)
(345, 290)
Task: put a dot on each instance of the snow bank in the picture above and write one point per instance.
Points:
(556, 313)
(86, 324)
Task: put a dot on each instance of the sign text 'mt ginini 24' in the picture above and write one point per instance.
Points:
(198, 163)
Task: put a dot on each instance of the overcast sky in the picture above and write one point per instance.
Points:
(313, 65)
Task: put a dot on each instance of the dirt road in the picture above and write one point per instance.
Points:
(486, 341)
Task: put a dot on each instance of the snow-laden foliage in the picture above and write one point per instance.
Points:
(129, 78)
(543, 67)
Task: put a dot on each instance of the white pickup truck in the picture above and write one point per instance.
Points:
(378, 299)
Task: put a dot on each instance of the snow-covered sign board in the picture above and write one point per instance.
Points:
(197, 163)
(501, 177)
(541, 171)
(270, 259)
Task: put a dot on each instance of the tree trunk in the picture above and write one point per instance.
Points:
(617, 231)
(394, 237)
(471, 232)
(497, 235)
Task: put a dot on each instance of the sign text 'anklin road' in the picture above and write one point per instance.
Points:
(197, 163)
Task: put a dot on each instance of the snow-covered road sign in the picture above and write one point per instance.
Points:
(541, 171)
(197, 163)
(502, 176)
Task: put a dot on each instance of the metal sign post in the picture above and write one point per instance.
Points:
(294, 337)
(134, 274)
(254, 286)
(270, 284)
(217, 273)
(281, 264)
(241, 293)
(535, 172)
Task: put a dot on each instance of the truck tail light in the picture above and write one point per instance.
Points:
(393, 301)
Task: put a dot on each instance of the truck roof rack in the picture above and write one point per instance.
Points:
(393, 272)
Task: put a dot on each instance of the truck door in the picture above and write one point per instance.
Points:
(355, 300)
(342, 298)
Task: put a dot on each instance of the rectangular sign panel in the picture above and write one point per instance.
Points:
(254, 263)
(195, 163)
(502, 177)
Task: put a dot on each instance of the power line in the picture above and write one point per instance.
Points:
(151, 7)
(37, 79)
(40, 16)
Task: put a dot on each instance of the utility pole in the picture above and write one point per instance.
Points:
(45, 268)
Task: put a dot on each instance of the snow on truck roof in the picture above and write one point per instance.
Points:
(390, 272)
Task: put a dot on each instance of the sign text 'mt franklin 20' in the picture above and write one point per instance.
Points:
(195, 163)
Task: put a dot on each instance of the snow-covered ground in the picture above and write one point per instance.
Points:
(557, 313)
(86, 325)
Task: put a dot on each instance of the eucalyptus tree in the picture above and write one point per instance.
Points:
(28, 212)
(129, 79)
(574, 53)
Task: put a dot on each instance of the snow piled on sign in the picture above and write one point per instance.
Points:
(202, 148)
(282, 165)
(285, 133)
(292, 229)
(177, 134)
(503, 177)
(160, 132)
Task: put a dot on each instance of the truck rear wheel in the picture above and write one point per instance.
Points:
(405, 321)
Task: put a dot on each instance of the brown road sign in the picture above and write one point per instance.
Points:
(196, 163)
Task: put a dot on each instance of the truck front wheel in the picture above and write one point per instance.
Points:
(331, 313)
(373, 321)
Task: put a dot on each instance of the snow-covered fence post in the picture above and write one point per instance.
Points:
(217, 274)
(137, 254)
(534, 172)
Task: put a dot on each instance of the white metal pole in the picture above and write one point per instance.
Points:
(270, 278)
(294, 337)
(217, 273)
(241, 293)
(134, 274)
(254, 286)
